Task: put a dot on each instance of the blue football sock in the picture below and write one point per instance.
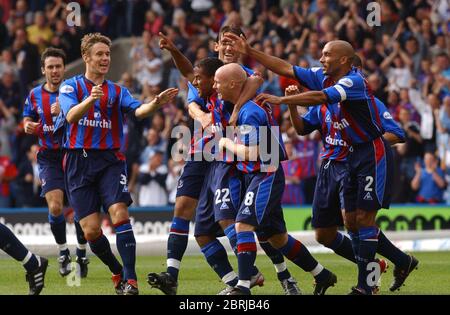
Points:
(14, 248)
(231, 234)
(296, 252)
(246, 246)
(58, 228)
(176, 245)
(368, 243)
(342, 245)
(126, 245)
(355, 244)
(102, 249)
(81, 247)
(276, 257)
(391, 252)
(217, 258)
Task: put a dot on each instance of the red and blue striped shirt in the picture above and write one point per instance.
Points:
(38, 107)
(101, 127)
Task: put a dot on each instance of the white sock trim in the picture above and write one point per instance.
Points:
(317, 270)
(173, 263)
(82, 246)
(229, 277)
(244, 283)
(280, 267)
(62, 247)
(27, 258)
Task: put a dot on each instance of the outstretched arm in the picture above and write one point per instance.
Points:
(181, 62)
(306, 99)
(296, 120)
(277, 65)
(147, 109)
(249, 91)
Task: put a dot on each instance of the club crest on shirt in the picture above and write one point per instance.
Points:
(66, 89)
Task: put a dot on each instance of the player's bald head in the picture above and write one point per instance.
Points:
(337, 57)
(342, 48)
(229, 81)
(231, 72)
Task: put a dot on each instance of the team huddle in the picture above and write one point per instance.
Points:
(238, 194)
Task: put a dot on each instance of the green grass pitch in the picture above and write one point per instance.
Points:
(196, 277)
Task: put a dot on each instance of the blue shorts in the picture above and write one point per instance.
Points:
(329, 194)
(191, 180)
(51, 171)
(95, 179)
(261, 203)
(370, 182)
(220, 196)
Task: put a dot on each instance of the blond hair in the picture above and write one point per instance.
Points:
(91, 39)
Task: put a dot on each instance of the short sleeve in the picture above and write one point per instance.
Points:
(309, 77)
(311, 120)
(28, 110)
(250, 122)
(127, 101)
(388, 122)
(194, 97)
(67, 96)
(350, 88)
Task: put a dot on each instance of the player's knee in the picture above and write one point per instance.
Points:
(185, 208)
(92, 233)
(365, 218)
(119, 213)
(55, 208)
(204, 240)
(279, 240)
(325, 239)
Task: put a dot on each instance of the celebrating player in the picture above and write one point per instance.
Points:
(367, 188)
(95, 170)
(260, 209)
(40, 110)
(191, 180)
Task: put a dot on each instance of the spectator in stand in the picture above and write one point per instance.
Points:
(27, 186)
(10, 93)
(98, 16)
(149, 69)
(399, 76)
(429, 180)
(27, 58)
(427, 121)
(152, 181)
(409, 153)
(40, 33)
(153, 22)
(442, 118)
(8, 172)
(7, 127)
(293, 193)
(7, 63)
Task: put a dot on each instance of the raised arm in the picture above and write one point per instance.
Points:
(249, 91)
(310, 98)
(181, 62)
(162, 98)
(272, 63)
(296, 119)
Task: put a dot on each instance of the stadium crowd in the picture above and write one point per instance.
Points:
(406, 60)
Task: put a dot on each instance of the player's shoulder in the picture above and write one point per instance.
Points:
(37, 89)
(248, 70)
(69, 85)
(252, 109)
(353, 78)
